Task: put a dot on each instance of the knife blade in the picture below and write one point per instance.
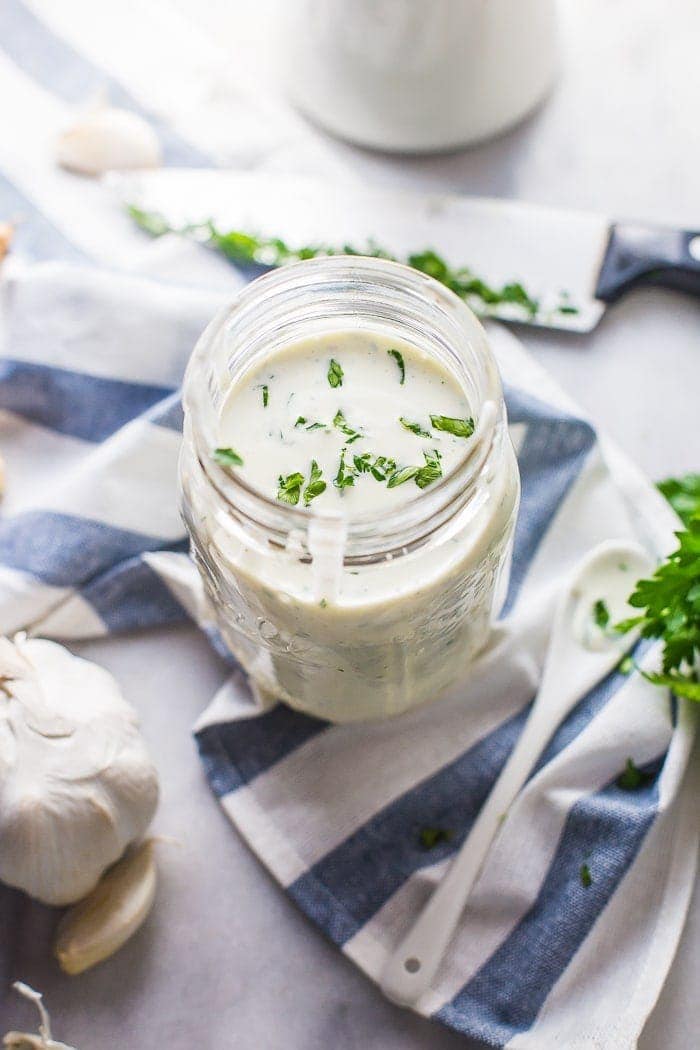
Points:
(572, 263)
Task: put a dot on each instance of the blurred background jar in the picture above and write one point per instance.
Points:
(418, 75)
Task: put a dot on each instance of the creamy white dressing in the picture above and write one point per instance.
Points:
(261, 417)
(340, 640)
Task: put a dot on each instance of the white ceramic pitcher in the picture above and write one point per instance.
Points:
(418, 75)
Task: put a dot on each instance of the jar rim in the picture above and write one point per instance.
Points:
(378, 533)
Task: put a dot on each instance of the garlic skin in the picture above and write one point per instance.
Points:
(27, 1041)
(107, 138)
(76, 781)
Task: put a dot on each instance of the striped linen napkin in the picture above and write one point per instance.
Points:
(95, 329)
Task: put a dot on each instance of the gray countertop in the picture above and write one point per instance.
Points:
(225, 960)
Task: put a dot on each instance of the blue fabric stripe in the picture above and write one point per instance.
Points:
(65, 550)
(168, 413)
(235, 752)
(351, 883)
(74, 403)
(551, 458)
(131, 596)
(505, 996)
(34, 235)
(57, 67)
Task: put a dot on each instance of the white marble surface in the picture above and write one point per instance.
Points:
(225, 960)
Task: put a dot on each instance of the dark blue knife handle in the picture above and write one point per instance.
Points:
(649, 255)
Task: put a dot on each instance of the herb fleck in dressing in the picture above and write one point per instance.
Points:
(359, 433)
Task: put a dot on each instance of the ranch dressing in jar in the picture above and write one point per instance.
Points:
(349, 485)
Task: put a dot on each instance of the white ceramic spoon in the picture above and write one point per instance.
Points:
(580, 654)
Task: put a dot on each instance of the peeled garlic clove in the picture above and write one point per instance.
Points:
(98, 926)
(105, 138)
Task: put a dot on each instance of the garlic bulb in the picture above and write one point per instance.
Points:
(104, 138)
(76, 782)
(26, 1041)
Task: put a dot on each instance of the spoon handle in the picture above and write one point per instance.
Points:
(412, 966)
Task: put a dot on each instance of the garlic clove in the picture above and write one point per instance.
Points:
(99, 925)
(107, 138)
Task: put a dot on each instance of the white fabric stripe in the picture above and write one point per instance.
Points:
(47, 292)
(78, 208)
(73, 619)
(35, 460)
(140, 458)
(590, 1005)
(349, 763)
(23, 598)
(517, 433)
(263, 835)
(526, 843)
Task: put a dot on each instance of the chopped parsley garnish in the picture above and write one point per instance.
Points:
(601, 614)
(265, 396)
(248, 249)
(340, 422)
(323, 603)
(316, 485)
(632, 779)
(335, 374)
(462, 428)
(431, 471)
(415, 428)
(684, 496)
(227, 457)
(302, 421)
(289, 488)
(398, 357)
(423, 476)
(626, 665)
(378, 466)
(344, 478)
(400, 476)
(429, 838)
(585, 875)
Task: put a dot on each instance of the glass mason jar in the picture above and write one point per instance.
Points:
(408, 594)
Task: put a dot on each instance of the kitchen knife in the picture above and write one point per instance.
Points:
(572, 263)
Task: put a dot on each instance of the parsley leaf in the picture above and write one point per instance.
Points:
(431, 471)
(227, 457)
(601, 614)
(302, 421)
(400, 476)
(340, 422)
(344, 478)
(316, 485)
(462, 428)
(265, 396)
(585, 876)
(399, 361)
(415, 428)
(249, 249)
(633, 778)
(289, 488)
(684, 495)
(335, 374)
(429, 838)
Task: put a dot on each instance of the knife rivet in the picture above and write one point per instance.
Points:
(694, 247)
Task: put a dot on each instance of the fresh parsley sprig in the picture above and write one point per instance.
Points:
(342, 425)
(227, 457)
(670, 611)
(462, 428)
(248, 249)
(291, 489)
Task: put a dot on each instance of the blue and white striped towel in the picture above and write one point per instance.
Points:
(95, 333)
